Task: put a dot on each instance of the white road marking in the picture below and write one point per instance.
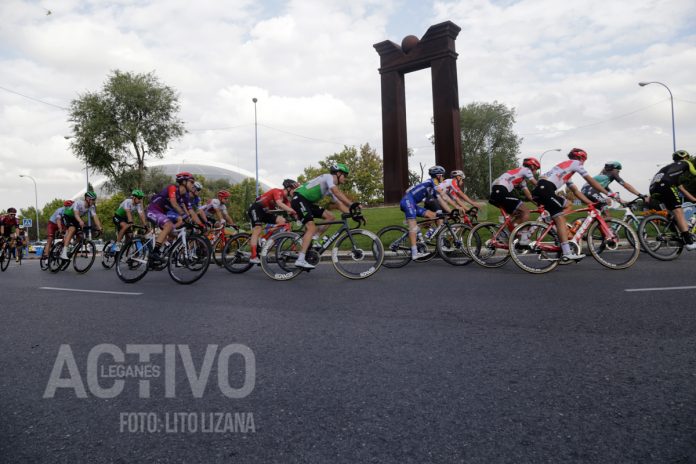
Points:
(88, 291)
(657, 289)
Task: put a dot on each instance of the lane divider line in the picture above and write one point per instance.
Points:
(657, 289)
(89, 291)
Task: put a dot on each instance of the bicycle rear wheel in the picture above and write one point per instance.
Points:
(397, 248)
(451, 244)
(43, 261)
(132, 261)
(279, 255)
(189, 263)
(108, 255)
(487, 244)
(543, 251)
(618, 252)
(660, 237)
(357, 254)
(55, 262)
(5, 257)
(237, 252)
(84, 256)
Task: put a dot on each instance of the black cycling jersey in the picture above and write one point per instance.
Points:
(671, 174)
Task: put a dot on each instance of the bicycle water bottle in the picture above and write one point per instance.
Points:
(262, 243)
(430, 232)
(575, 226)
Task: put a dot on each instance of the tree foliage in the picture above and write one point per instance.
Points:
(487, 130)
(132, 118)
(366, 180)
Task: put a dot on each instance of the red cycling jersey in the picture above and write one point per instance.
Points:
(273, 197)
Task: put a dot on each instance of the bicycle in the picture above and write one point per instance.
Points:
(487, 242)
(355, 253)
(660, 236)
(187, 259)
(218, 237)
(447, 240)
(81, 251)
(109, 250)
(237, 252)
(534, 245)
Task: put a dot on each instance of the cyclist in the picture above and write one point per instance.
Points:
(169, 207)
(426, 191)
(123, 217)
(609, 174)
(545, 194)
(73, 218)
(453, 188)
(196, 213)
(215, 210)
(666, 186)
(8, 223)
(503, 186)
(259, 213)
(55, 224)
(304, 203)
(20, 240)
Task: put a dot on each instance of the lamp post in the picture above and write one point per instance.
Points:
(542, 155)
(89, 216)
(490, 170)
(671, 100)
(36, 203)
(256, 146)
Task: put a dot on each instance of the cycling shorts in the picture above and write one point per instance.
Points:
(410, 208)
(545, 194)
(305, 209)
(667, 195)
(259, 216)
(52, 229)
(117, 220)
(71, 221)
(157, 216)
(502, 198)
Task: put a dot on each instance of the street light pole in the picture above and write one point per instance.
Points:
(542, 155)
(671, 100)
(36, 203)
(256, 146)
(89, 216)
(490, 170)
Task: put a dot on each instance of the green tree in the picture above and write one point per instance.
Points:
(366, 180)
(114, 131)
(487, 130)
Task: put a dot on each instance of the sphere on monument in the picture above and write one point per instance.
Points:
(409, 43)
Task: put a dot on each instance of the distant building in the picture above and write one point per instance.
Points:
(209, 170)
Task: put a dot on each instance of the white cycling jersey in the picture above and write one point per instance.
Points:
(562, 172)
(214, 204)
(450, 187)
(514, 178)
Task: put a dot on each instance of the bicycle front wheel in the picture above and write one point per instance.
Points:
(279, 255)
(487, 244)
(617, 252)
(5, 258)
(660, 237)
(533, 248)
(357, 254)
(189, 263)
(397, 248)
(451, 244)
(132, 261)
(237, 252)
(84, 256)
(108, 255)
(218, 247)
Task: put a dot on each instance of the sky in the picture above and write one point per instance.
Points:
(569, 69)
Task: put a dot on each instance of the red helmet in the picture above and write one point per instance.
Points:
(222, 194)
(578, 154)
(184, 176)
(531, 163)
(68, 203)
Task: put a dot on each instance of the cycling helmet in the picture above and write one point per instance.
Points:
(680, 155)
(183, 177)
(339, 167)
(611, 165)
(436, 171)
(456, 173)
(91, 195)
(222, 194)
(531, 163)
(137, 193)
(20, 226)
(578, 154)
(289, 183)
(11, 210)
(198, 186)
(68, 203)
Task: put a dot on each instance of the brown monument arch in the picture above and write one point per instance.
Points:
(435, 51)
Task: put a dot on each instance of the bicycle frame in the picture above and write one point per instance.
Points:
(594, 215)
(344, 228)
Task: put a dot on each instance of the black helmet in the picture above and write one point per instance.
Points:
(436, 171)
(680, 155)
(610, 165)
(289, 183)
(11, 210)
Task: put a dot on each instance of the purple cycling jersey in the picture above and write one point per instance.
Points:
(161, 200)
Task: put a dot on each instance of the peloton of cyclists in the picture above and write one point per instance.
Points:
(665, 187)
(545, 194)
(258, 212)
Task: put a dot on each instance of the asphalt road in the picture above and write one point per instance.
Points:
(428, 363)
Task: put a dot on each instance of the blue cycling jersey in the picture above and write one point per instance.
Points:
(423, 191)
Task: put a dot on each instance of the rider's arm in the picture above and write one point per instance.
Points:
(578, 194)
(527, 194)
(595, 185)
(686, 193)
(129, 216)
(343, 201)
(443, 201)
(631, 189)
